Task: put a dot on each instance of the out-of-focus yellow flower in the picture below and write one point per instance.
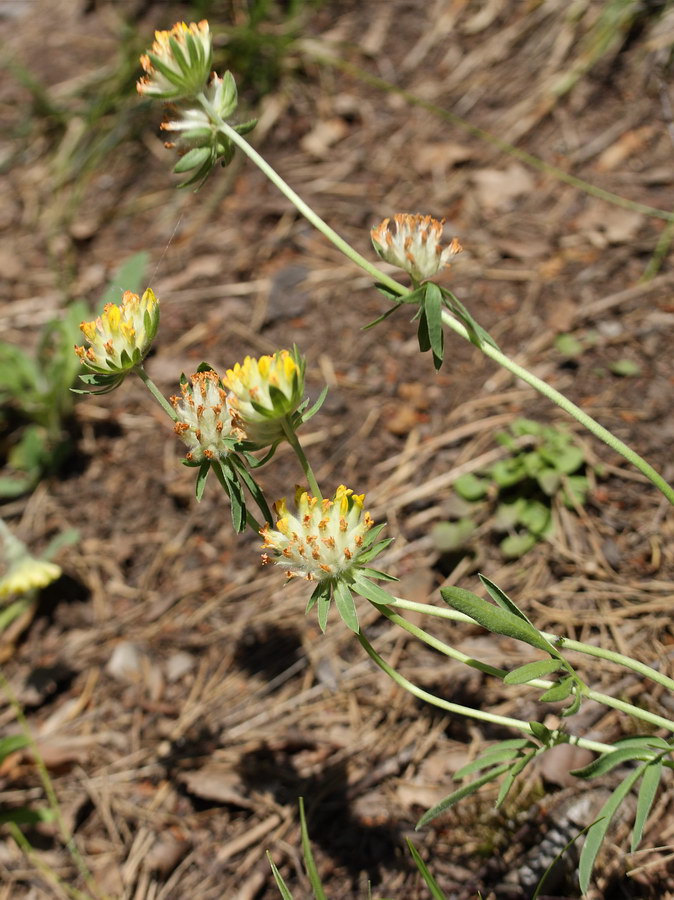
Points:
(323, 539)
(178, 63)
(264, 392)
(27, 574)
(415, 246)
(121, 337)
(204, 417)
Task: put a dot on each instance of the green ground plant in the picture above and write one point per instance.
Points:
(36, 397)
(515, 495)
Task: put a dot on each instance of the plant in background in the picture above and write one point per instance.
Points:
(314, 878)
(543, 462)
(35, 391)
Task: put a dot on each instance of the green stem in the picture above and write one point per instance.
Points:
(48, 786)
(541, 683)
(562, 643)
(293, 440)
(587, 421)
(537, 383)
(297, 201)
(467, 711)
(156, 393)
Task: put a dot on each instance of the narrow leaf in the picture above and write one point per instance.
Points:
(433, 310)
(202, 475)
(381, 318)
(11, 744)
(280, 883)
(317, 405)
(431, 883)
(495, 755)
(309, 863)
(465, 791)
(494, 619)
(533, 670)
(541, 732)
(319, 591)
(608, 761)
(196, 157)
(558, 692)
(501, 598)
(647, 791)
(597, 831)
(372, 591)
(422, 331)
(346, 606)
(323, 610)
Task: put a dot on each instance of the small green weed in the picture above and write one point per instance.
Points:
(543, 462)
(258, 45)
(35, 397)
(314, 878)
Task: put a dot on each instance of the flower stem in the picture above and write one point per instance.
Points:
(305, 209)
(587, 421)
(442, 647)
(293, 440)
(503, 360)
(467, 711)
(562, 643)
(156, 393)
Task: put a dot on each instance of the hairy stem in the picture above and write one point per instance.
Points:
(447, 650)
(156, 393)
(467, 711)
(293, 440)
(562, 643)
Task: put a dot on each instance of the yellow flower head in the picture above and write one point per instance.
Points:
(415, 246)
(121, 337)
(204, 417)
(178, 63)
(323, 539)
(27, 574)
(264, 392)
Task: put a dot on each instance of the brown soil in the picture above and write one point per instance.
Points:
(176, 779)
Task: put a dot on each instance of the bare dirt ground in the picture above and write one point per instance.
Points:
(177, 774)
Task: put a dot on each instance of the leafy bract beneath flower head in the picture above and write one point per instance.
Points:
(204, 417)
(178, 63)
(121, 337)
(264, 392)
(322, 540)
(415, 245)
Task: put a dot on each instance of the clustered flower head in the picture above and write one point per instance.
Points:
(22, 572)
(28, 574)
(264, 392)
(121, 337)
(323, 539)
(415, 246)
(178, 63)
(204, 418)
